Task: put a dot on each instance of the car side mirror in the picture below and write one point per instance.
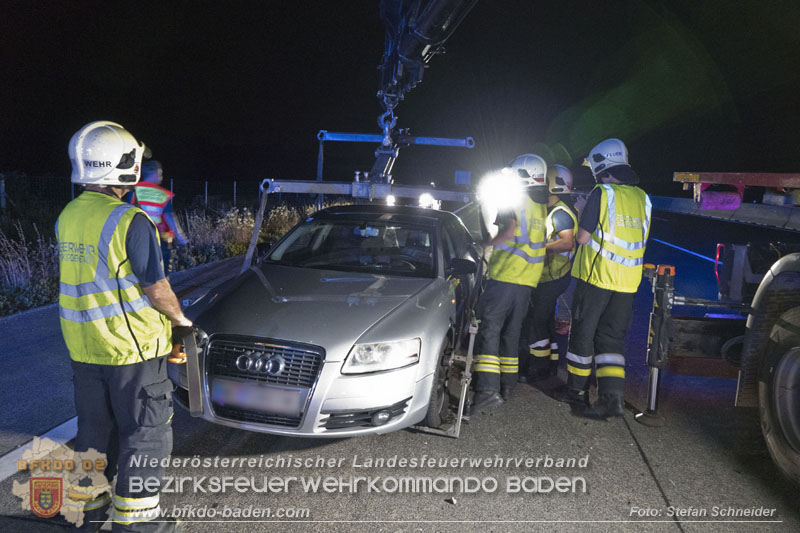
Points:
(262, 248)
(460, 267)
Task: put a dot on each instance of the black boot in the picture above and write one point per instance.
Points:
(485, 401)
(505, 393)
(572, 396)
(93, 520)
(606, 406)
(538, 374)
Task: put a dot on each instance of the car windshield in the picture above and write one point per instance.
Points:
(385, 247)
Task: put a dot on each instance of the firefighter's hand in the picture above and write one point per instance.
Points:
(182, 322)
(181, 331)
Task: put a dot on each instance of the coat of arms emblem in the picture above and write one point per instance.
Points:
(46, 496)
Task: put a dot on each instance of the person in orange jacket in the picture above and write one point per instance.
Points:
(156, 201)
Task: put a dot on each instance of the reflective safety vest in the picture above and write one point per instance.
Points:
(105, 316)
(557, 264)
(613, 257)
(153, 199)
(520, 259)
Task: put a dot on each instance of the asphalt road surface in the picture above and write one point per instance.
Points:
(708, 461)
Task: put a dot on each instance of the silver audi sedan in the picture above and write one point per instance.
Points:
(344, 327)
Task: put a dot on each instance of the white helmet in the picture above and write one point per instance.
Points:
(610, 157)
(105, 153)
(559, 179)
(607, 154)
(531, 168)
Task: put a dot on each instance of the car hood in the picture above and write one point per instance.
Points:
(322, 307)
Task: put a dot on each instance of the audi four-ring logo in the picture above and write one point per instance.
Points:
(260, 364)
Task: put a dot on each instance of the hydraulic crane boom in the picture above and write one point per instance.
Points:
(416, 30)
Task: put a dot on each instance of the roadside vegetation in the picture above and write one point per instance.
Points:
(29, 260)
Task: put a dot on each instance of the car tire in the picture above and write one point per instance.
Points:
(439, 402)
(779, 407)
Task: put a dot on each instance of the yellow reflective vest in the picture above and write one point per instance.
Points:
(557, 264)
(105, 316)
(613, 257)
(520, 259)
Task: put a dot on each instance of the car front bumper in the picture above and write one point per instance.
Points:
(338, 405)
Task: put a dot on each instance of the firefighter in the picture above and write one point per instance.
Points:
(116, 310)
(612, 234)
(156, 201)
(561, 224)
(514, 268)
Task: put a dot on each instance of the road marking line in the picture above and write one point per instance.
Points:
(61, 434)
(684, 250)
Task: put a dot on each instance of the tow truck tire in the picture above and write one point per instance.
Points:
(779, 407)
(439, 403)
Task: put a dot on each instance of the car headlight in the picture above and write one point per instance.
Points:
(374, 357)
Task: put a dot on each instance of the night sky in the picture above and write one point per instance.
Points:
(239, 90)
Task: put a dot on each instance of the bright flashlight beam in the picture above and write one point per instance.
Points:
(501, 190)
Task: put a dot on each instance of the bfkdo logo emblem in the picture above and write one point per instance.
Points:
(46, 496)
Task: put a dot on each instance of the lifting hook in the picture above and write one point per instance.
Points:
(387, 121)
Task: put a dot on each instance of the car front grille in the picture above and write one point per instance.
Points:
(254, 417)
(361, 418)
(302, 362)
(300, 367)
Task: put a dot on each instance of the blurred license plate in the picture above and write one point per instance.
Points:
(266, 399)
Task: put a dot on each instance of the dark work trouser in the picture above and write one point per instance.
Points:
(126, 412)
(540, 349)
(600, 320)
(500, 311)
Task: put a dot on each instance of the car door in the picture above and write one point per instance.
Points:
(457, 242)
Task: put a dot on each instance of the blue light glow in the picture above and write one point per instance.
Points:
(701, 256)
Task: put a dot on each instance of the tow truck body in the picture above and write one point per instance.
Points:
(753, 333)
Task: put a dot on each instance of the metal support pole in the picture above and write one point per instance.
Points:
(170, 185)
(206, 193)
(194, 376)
(320, 158)
(2, 193)
(652, 391)
(234, 193)
(248, 258)
(658, 340)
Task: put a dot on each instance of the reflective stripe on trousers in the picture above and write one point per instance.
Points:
(134, 510)
(540, 348)
(487, 363)
(610, 365)
(509, 365)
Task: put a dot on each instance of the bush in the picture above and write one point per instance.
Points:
(29, 267)
(28, 271)
(217, 236)
(214, 236)
(36, 294)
